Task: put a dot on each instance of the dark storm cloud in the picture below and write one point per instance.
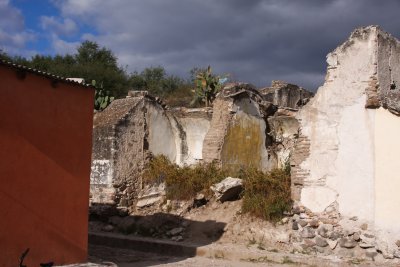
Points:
(257, 41)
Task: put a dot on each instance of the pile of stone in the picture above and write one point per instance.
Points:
(327, 233)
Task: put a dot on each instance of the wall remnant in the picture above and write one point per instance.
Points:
(239, 131)
(344, 155)
(128, 132)
(242, 129)
(286, 95)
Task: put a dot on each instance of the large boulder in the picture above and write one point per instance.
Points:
(228, 189)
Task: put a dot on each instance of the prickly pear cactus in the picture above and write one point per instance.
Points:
(207, 86)
(102, 97)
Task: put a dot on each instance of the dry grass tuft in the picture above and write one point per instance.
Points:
(183, 183)
(265, 195)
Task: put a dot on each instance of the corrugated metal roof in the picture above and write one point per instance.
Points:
(44, 74)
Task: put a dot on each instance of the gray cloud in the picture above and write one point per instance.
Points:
(255, 40)
(66, 27)
(13, 35)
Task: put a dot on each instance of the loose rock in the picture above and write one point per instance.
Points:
(386, 250)
(302, 223)
(347, 242)
(314, 223)
(371, 253)
(176, 231)
(307, 232)
(356, 236)
(308, 243)
(199, 200)
(177, 238)
(332, 243)
(108, 228)
(295, 226)
(320, 242)
(228, 189)
(325, 230)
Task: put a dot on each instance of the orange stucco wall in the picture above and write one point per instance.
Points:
(45, 155)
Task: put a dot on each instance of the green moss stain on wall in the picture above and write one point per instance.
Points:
(243, 143)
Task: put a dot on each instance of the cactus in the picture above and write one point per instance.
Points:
(207, 86)
(102, 97)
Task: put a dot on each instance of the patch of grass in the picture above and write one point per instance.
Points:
(266, 195)
(182, 183)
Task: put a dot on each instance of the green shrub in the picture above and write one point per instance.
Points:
(266, 195)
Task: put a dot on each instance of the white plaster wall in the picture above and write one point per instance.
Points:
(196, 130)
(161, 138)
(387, 171)
(355, 162)
(331, 124)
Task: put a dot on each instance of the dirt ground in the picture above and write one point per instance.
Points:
(244, 240)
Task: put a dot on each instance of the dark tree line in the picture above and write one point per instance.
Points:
(99, 64)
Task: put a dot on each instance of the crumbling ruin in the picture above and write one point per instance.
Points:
(341, 145)
(286, 95)
(128, 132)
(242, 129)
(347, 149)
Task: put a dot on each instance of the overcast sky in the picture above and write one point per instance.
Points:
(255, 41)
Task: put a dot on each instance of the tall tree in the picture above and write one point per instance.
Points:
(156, 81)
(90, 62)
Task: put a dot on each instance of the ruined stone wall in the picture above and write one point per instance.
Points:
(286, 95)
(127, 133)
(161, 138)
(240, 134)
(244, 143)
(242, 129)
(118, 135)
(191, 127)
(341, 156)
(284, 129)
(214, 138)
(129, 155)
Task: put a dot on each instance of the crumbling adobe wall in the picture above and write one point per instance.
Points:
(286, 95)
(118, 141)
(245, 140)
(341, 156)
(242, 129)
(191, 127)
(125, 135)
(239, 132)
